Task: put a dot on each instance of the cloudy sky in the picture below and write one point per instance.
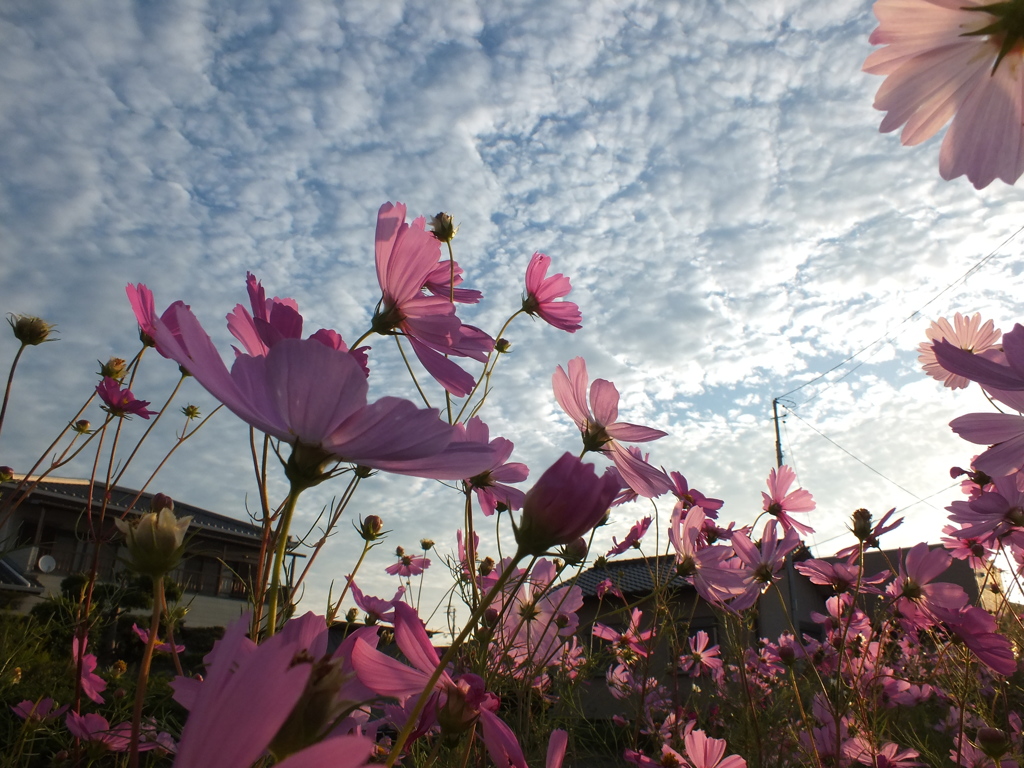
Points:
(708, 173)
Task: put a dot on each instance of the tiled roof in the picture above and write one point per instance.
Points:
(634, 576)
(78, 490)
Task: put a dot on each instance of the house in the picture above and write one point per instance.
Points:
(44, 538)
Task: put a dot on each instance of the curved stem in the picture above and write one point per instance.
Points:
(10, 382)
(147, 660)
(279, 550)
(428, 691)
(489, 366)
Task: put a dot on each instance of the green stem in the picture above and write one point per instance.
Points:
(10, 383)
(428, 691)
(279, 550)
(147, 660)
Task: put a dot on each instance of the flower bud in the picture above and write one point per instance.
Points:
(575, 552)
(567, 501)
(30, 331)
(191, 412)
(502, 346)
(352, 615)
(443, 227)
(114, 368)
(427, 544)
(787, 655)
(118, 668)
(161, 501)
(486, 566)
(6, 474)
(862, 524)
(156, 540)
(993, 742)
(82, 426)
(372, 528)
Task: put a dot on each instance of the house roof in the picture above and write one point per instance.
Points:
(77, 491)
(633, 576)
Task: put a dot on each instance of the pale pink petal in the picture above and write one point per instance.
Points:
(646, 480)
(337, 752)
(571, 391)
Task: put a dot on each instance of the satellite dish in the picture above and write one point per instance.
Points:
(47, 564)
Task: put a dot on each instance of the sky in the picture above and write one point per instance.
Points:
(709, 174)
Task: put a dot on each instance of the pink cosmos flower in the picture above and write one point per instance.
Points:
(705, 752)
(706, 567)
(630, 641)
(143, 635)
(143, 305)
(406, 258)
(308, 394)
(408, 565)
(542, 294)
(92, 684)
(490, 486)
(917, 594)
(701, 659)
(967, 333)
(96, 729)
(761, 565)
(118, 401)
(994, 514)
(376, 608)
(841, 577)
(978, 630)
(536, 619)
(601, 432)
(691, 497)
(887, 756)
(275, 319)
(606, 587)
(39, 711)
(957, 59)
(456, 701)
(780, 502)
(566, 502)
(632, 540)
(251, 693)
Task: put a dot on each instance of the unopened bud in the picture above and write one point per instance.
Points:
(371, 528)
(993, 742)
(787, 655)
(30, 331)
(191, 412)
(82, 426)
(118, 668)
(114, 368)
(862, 524)
(491, 616)
(443, 227)
(352, 615)
(161, 501)
(427, 544)
(486, 566)
(399, 551)
(503, 345)
(6, 474)
(156, 541)
(575, 552)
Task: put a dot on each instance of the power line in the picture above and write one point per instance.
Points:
(854, 457)
(886, 336)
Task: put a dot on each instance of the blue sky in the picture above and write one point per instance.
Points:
(709, 175)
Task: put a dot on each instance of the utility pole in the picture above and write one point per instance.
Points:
(778, 437)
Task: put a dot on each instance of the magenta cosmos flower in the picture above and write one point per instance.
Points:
(308, 394)
(407, 262)
(567, 502)
(967, 333)
(602, 432)
(958, 59)
(543, 294)
(275, 319)
(119, 401)
(780, 502)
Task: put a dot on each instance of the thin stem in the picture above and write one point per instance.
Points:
(10, 382)
(147, 660)
(152, 424)
(428, 690)
(282, 545)
(492, 361)
(412, 374)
